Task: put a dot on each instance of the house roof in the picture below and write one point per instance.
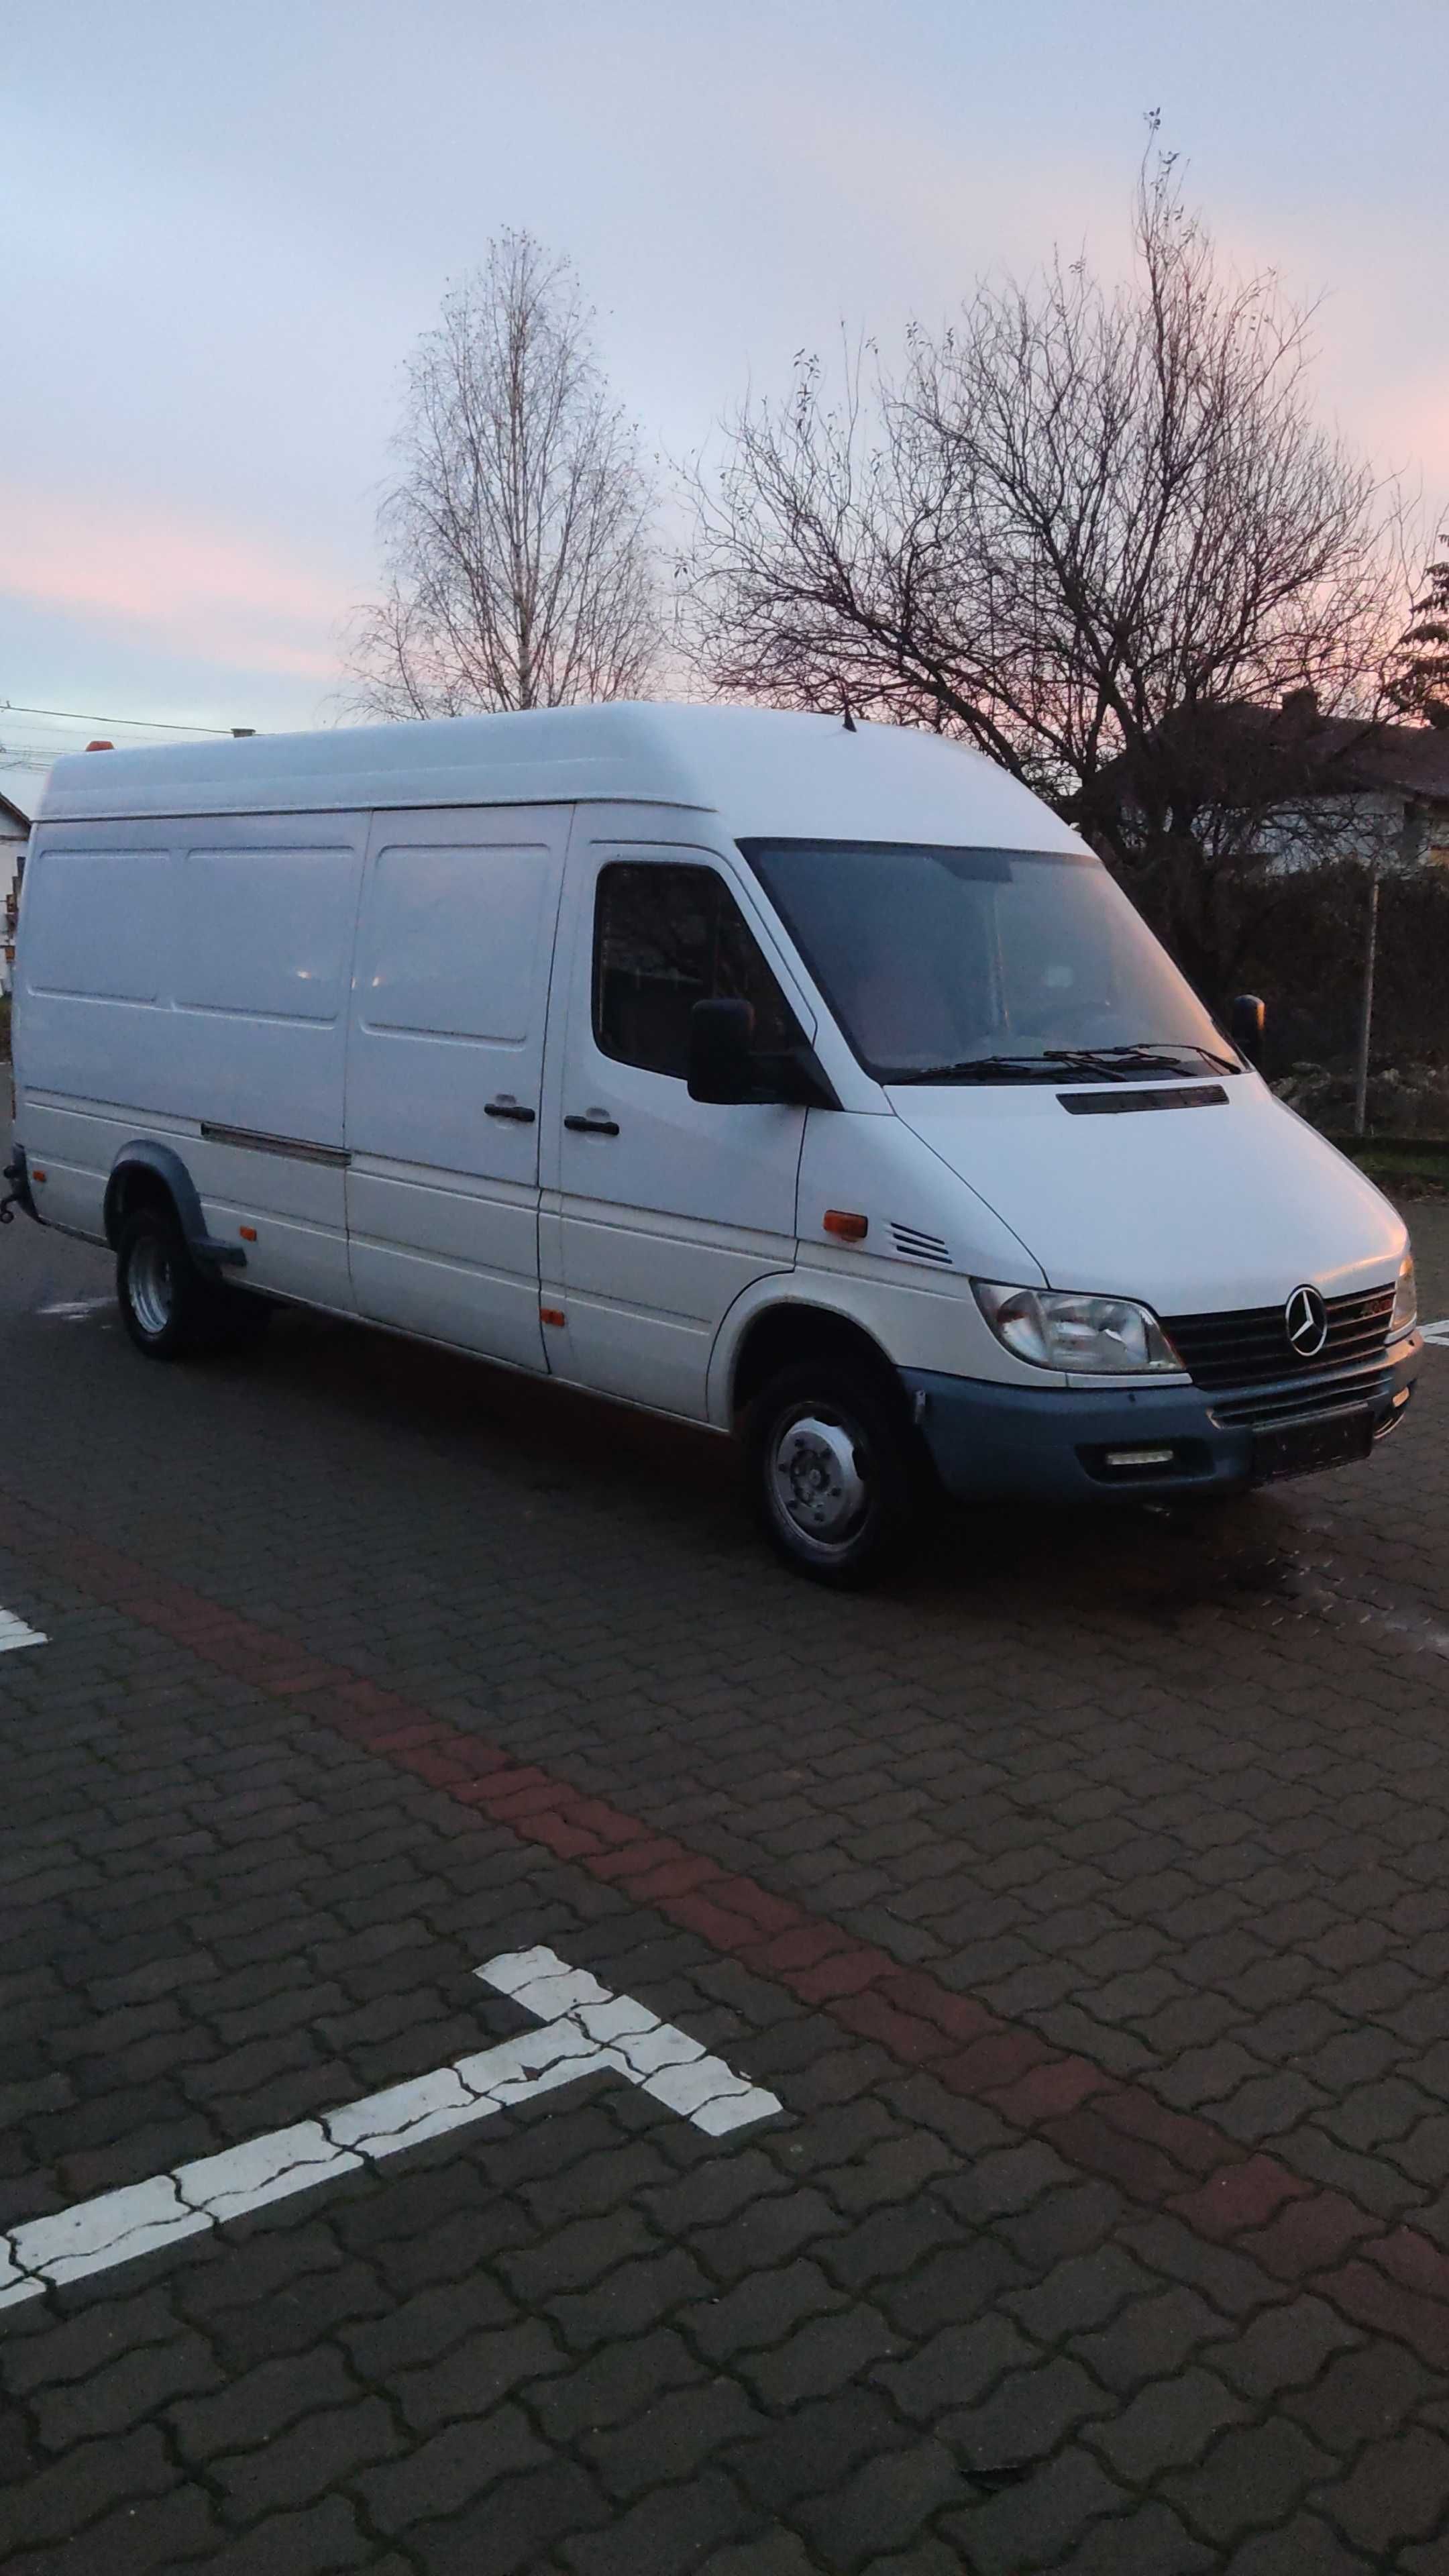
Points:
(1290, 751)
(10, 813)
(1343, 752)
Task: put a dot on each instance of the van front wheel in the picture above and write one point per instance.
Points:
(834, 1474)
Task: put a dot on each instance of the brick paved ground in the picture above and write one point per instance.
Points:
(1084, 1903)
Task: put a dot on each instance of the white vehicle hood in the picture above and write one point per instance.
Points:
(1191, 1210)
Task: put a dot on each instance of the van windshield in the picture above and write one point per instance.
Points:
(945, 965)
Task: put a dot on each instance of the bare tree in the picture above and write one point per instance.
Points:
(1073, 526)
(516, 538)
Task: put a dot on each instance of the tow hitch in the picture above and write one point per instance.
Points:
(18, 1194)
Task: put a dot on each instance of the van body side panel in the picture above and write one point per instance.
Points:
(445, 1073)
(188, 980)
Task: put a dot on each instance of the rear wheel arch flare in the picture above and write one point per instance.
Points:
(145, 1174)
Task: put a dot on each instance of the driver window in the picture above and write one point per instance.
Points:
(666, 937)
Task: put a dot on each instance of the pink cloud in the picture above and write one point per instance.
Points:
(194, 584)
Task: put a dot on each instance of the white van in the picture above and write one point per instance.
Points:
(804, 1079)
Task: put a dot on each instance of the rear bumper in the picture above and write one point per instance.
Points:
(1053, 1445)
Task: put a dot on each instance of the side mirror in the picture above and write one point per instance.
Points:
(721, 1066)
(1246, 1027)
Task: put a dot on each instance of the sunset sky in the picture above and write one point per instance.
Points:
(223, 229)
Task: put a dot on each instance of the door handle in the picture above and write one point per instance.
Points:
(596, 1124)
(506, 1108)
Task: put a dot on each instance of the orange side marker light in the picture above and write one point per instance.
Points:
(248, 1233)
(552, 1315)
(850, 1227)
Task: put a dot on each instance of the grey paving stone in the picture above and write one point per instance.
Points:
(1150, 2339)
(1079, 2293)
(1147, 2540)
(619, 2382)
(1362, 2396)
(1395, 2492)
(314, 2455)
(262, 2403)
(442, 2475)
(882, 2505)
(125, 2392)
(1031, 2524)
(323, 2536)
(820, 2357)
(1168, 2425)
(760, 2311)
(1303, 2547)
(1282, 2348)
(472, 2379)
(520, 2525)
(816, 2446)
(675, 2439)
(672, 2528)
(1251, 2478)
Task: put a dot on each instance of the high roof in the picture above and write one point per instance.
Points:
(764, 771)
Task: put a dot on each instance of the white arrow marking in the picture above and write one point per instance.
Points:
(1437, 1333)
(74, 1309)
(584, 2030)
(13, 1632)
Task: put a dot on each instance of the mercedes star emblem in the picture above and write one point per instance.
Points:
(1305, 1319)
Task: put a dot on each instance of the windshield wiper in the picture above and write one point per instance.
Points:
(1156, 1050)
(1057, 1064)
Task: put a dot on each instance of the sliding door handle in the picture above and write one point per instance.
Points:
(595, 1124)
(506, 1108)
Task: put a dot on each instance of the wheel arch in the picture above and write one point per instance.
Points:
(147, 1174)
(780, 1331)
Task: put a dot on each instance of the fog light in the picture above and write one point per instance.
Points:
(1139, 1458)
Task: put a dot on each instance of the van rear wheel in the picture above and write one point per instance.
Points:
(835, 1478)
(167, 1307)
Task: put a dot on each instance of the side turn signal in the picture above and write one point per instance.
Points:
(845, 1223)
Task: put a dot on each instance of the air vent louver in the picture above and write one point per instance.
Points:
(915, 1246)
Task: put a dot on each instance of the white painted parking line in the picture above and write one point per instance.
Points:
(1437, 1333)
(584, 2030)
(73, 1309)
(13, 1632)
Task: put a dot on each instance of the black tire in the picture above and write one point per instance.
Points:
(170, 1310)
(816, 1432)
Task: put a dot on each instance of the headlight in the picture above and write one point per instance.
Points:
(1406, 1299)
(1092, 1335)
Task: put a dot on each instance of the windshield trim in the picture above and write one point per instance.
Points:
(890, 1077)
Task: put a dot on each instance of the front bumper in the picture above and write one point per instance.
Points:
(1051, 1445)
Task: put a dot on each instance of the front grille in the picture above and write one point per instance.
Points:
(1250, 1345)
(1298, 1402)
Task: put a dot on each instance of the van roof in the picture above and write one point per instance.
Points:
(766, 772)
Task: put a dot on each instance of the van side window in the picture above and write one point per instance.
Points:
(665, 938)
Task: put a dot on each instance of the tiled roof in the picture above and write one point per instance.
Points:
(1292, 750)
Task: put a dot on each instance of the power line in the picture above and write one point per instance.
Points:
(142, 724)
